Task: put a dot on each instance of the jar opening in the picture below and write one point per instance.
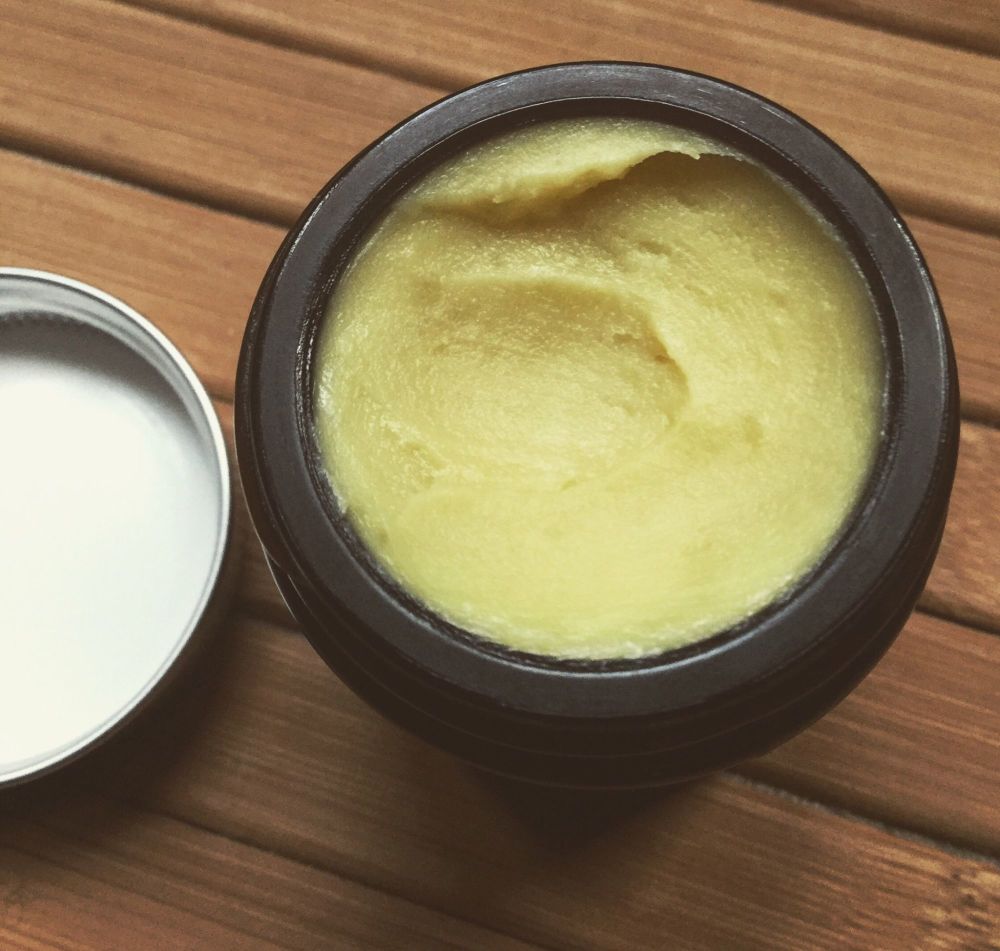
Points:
(404, 178)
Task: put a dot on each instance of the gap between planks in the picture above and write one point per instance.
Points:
(867, 14)
(65, 158)
(298, 43)
(957, 849)
(305, 861)
(99, 823)
(941, 614)
(966, 26)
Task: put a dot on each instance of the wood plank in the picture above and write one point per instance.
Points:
(917, 744)
(921, 117)
(193, 111)
(967, 23)
(285, 757)
(44, 905)
(82, 872)
(965, 582)
(966, 270)
(192, 271)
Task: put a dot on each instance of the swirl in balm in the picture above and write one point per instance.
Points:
(599, 388)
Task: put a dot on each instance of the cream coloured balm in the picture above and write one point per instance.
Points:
(599, 388)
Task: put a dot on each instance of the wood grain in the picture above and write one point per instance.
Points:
(268, 807)
(966, 23)
(91, 873)
(44, 905)
(966, 268)
(921, 117)
(234, 121)
(965, 583)
(287, 758)
(203, 115)
(194, 272)
(917, 744)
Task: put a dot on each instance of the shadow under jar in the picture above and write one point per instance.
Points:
(600, 723)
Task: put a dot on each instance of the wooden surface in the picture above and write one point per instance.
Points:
(159, 150)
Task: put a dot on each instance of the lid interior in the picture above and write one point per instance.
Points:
(113, 516)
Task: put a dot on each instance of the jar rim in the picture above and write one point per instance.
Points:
(326, 556)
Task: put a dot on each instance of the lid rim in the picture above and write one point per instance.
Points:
(111, 316)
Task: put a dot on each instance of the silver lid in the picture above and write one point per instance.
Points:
(115, 514)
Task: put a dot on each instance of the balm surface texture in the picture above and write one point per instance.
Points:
(599, 388)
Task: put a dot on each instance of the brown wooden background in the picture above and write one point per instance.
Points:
(159, 149)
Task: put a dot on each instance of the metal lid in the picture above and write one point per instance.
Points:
(114, 516)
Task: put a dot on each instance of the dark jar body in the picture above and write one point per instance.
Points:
(608, 724)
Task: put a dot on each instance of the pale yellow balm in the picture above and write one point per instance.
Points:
(599, 388)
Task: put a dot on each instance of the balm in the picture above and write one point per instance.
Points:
(599, 388)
